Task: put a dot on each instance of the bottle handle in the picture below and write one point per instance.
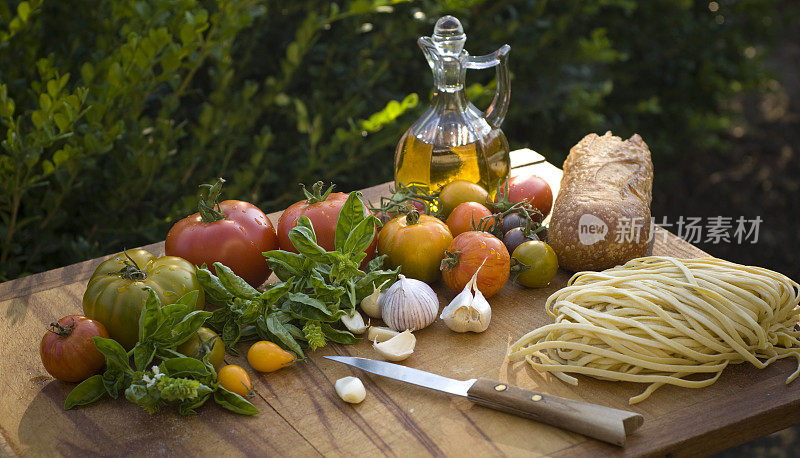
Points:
(497, 110)
(488, 60)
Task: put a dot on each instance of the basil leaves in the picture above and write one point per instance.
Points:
(316, 287)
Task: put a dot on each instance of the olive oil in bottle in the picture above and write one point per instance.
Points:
(484, 162)
(453, 140)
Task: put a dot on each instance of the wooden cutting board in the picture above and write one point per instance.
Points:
(301, 415)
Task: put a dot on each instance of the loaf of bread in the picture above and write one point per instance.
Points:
(601, 217)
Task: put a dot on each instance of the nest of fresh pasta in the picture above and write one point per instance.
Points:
(662, 320)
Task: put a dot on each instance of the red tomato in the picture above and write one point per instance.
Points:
(467, 216)
(67, 350)
(323, 211)
(469, 250)
(237, 240)
(528, 188)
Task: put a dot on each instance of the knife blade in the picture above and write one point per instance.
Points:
(599, 422)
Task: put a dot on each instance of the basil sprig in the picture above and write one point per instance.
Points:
(316, 288)
(176, 380)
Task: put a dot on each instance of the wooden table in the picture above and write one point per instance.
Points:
(301, 415)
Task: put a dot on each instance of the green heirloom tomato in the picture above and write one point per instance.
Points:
(115, 294)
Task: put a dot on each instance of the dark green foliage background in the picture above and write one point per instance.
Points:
(113, 112)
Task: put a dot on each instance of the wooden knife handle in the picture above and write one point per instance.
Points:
(596, 421)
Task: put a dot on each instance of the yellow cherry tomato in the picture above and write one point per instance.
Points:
(460, 191)
(205, 341)
(235, 379)
(266, 356)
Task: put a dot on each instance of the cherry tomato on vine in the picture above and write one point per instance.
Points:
(323, 211)
(528, 188)
(511, 221)
(266, 356)
(205, 341)
(233, 232)
(467, 216)
(460, 191)
(67, 350)
(536, 263)
(467, 252)
(416, 243)
(516, 237)
(235, 379)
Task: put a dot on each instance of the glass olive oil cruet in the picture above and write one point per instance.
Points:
(453, 140)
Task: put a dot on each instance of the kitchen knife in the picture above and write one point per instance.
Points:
(596, 421)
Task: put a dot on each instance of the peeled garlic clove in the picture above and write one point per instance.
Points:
(469, 310)
(355, 323)
(350, 389)
(397, 348)
(380, 333)
(408, 304)
(370, 303)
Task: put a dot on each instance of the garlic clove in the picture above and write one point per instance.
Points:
(408, 304)
(398, 347)
(380, 333)
(482, 313)
(370, 304)
(354, 323)
(350, 389)
(469, 310)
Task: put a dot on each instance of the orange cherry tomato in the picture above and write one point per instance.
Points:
(467, 252)
(235, 379)
(467, 217)
(266, 356)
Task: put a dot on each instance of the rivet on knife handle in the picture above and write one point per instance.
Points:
(596, 421)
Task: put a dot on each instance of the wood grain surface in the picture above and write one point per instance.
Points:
(301, 415)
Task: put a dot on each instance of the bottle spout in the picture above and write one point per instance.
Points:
(429, 50)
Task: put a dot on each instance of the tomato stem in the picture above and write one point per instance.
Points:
(401, 199)
(131, 270)
(56, 328)
(316, 195)
(517, 266)
(208, 207)
(450, 260)
(412, 217)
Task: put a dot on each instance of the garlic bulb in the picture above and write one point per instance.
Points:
(408, 304)
(398, 347)
(468, 311)
(380, 334)
(350, 389)
(355, 323)
(370, 303)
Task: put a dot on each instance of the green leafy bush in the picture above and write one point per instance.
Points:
(113, 112)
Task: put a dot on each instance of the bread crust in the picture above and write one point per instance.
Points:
(608, 182)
